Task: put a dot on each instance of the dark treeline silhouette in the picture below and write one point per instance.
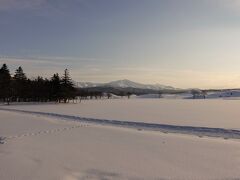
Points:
(85, 94)
(19, 88)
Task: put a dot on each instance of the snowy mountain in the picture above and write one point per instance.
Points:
(88, 84)
(130, 84)
(124, 84)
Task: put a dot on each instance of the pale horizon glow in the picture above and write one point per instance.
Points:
(185, 44)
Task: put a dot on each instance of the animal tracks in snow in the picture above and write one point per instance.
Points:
(51, 131)
(165, 128)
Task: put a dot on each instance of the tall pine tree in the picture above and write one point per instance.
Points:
(67, 88)
(20, 88)
(55, 84)
(5, 83)
(20, 84)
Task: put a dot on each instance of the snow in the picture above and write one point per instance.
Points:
(215, 113)
(224, 94)
(55, 142)
(228, 94)
(102, 152)
(148, 96)
(87, 84)
(125, 83)
(191, 130)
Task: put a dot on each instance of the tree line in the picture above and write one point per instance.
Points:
(19, 88)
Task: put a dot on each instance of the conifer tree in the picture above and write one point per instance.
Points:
(20, 84)
(67, 87)
(55, 84)
(5, 83)
(19, 74)
(20, 88)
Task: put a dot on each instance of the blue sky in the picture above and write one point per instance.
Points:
(187, 43)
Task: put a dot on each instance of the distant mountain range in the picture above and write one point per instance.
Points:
(125, 84)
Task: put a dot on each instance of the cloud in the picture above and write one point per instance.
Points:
(90, 69)
(52, 59)
(47, 65)
(21, 4)
(52, 5)
(232, 5)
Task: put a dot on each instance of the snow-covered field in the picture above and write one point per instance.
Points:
(223, 94)
(215, 113)
(59, 144)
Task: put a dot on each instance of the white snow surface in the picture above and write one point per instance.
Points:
(77, 151)
(215, 113)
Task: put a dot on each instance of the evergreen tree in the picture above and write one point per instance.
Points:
(20, 88)
(67, 88)
(5, 80)
(55, 84)
(41, 93)
(20, 84)
(19, 74)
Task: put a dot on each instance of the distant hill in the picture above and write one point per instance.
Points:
(124, 87)
(125, 84)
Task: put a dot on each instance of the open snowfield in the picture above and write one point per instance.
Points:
(46, 146)
(205, 113)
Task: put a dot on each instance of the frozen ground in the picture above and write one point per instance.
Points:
(215, 113)
(223, 94)
(101, 152)
(190, 130)
(46, 146)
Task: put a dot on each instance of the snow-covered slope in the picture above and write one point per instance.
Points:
(124, 84)
(87, 84)
(224, 94)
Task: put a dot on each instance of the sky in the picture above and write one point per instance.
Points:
(185, 44)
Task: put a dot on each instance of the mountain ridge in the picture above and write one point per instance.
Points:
(125, 83)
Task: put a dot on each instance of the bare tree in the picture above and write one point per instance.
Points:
(195, 93)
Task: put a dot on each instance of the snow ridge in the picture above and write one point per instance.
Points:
(191, 130)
